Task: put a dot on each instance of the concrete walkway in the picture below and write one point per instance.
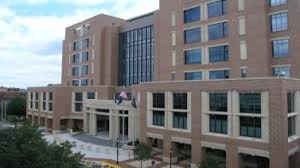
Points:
(94, 140)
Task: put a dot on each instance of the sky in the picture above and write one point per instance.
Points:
(31, 34)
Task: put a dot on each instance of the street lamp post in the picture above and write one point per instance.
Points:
(118, 151)
(170, 159)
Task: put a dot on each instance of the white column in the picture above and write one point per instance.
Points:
(111, 126)
(297, 109)
(94, 125)
(85, 122)
(265, 120)
(90, 123)
(205, 109)
(229, 111)
(235, 111)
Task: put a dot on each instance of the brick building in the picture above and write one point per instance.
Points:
(209, 77)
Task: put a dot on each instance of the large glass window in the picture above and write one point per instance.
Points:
(219, 74)
(158, 100)
(192, 15)
(218, 124)
(280, 48)
(218, 54)
(279, 22)
(179, 120)
(192, 36)
(291, 102)
(283, 71)
(250, 127)
(250, 103)
(193, 76)
(217, 8)
(292, 126)
(158, 118)
(277, 2)
(218, 102)
(192, 56)
(218, 31)
(137, 52)
(180, 101)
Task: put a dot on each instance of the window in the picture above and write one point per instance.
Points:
(78, 96)
(50, 106)
(36, 105)
(192, 15)
(277, 2)
(76, 46)
(192, 36)
(31, 96)
(292, 126)
(44, 95)
(179, 100)
(84, 82)
(91, 95)
(250, 103)
(75, 82)
(85, 43)
(218, 54)
(179, 120)
(218, 102)
(136, 56)
(291, 102)
(279, 22)
(218, 31)
(280, 48)
(76, 59)
(218, 124)
(218, 8)
(36, 96)
(283, 71)
(158, 100)
(193, 76)
(78, 107)
(85, 70)
(244, 72)
(192, 56)
(250, 127)
(44, 106)
(50, 96)
(158, 118)
(219, 74)
(75, 71)
(85, 56)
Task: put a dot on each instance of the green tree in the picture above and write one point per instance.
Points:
(24, 147)
(17, 107)
(142, 152)
(211, 161)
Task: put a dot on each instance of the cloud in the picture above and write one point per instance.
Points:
(31, 46)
